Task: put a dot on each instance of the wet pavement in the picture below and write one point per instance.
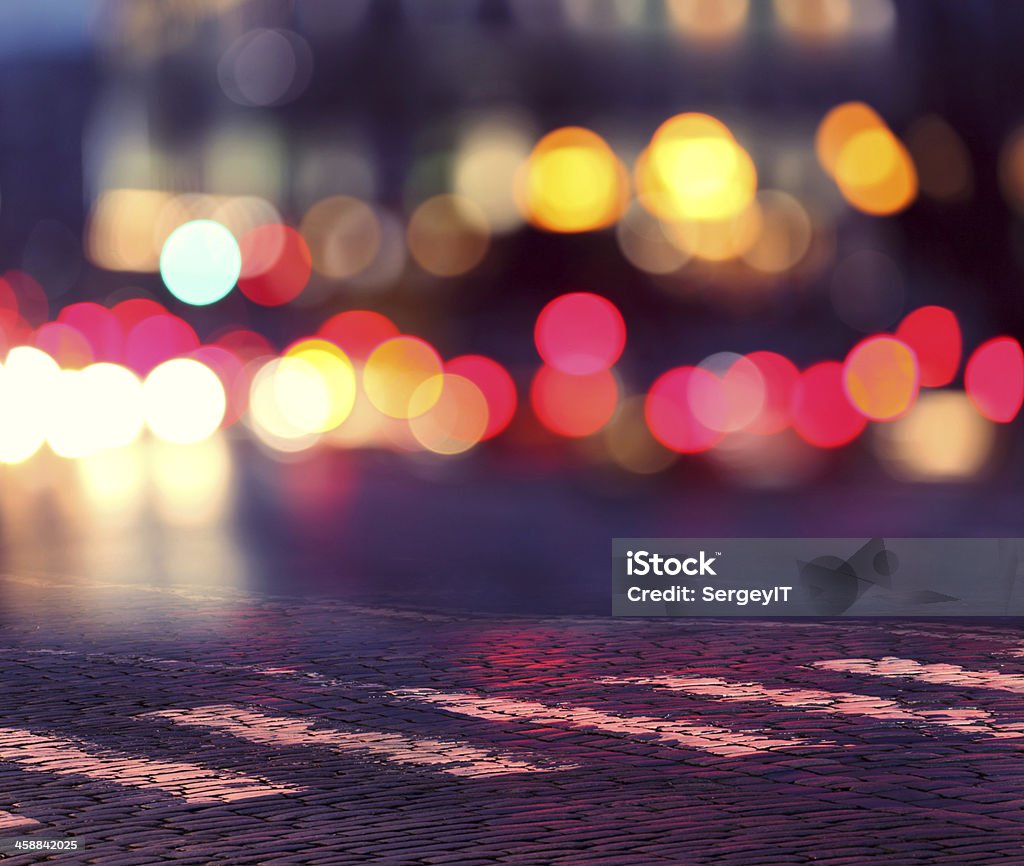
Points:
(170, 724)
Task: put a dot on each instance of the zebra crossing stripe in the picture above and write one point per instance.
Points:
(10, 821)
(191, 782)
(446, 756)
(937, 674)
(705, 737)
(966, 720)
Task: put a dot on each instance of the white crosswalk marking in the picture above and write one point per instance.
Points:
(938, 674)
(191, 782)
(708, 738)
(966, 720)
(10, 821)
(447, 756)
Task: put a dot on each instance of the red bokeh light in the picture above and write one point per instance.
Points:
(245, 344)
(494, 383)
(573, 406)
(994, 379)
(276, 264)
(157, 339)
(668, 413)
(934, 335)
(100, 328)
(580, 333)
(822, 413)
(129, 313)
(32, 303)
(780, 378)
(358, 332)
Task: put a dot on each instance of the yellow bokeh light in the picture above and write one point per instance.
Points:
(456, 421)
(394, 373)
(323, 371)
(183, 401)
(875, 173)
(572, 182)
(942, 438)
(448, 235)
(838, 126)
(270, 421)
(694, 169)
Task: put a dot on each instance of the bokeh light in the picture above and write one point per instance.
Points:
(785, 232)
(572, 182)
(158, 338)
(717, 240)
(645, 243)
(28, 384)
(942, 438)
(780, 376)
(316, 385)
(670, 415)
(93, 409)
(495, 384)
(100, 328)
(708, 21)
(448, 235)
(580, 333)
(694, 169)
(881, 378)
(456, 421)
(994, 379)
(731, 397)
(200, 262)
(64, 344)
(394, 373)
(183, 401)
(270, 420)
(875, 173)
(573, 406)
(630, 444)
(276, 265)
(265, 67)
(822, 413)
(343, 235)
(934, 335)
(488, 154)
(358, 332)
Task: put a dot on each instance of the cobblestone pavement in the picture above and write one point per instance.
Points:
(169, 725)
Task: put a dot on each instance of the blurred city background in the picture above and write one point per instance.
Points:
(424, 302)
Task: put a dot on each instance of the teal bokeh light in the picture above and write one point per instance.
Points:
(200, 262)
